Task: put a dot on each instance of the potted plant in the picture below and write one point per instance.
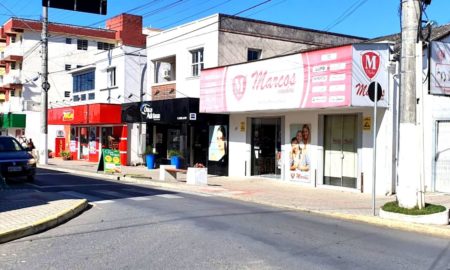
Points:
(149, 154)
(50, 153)
(175, 157)
(65, 155)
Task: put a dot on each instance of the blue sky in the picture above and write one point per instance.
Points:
(366, 18)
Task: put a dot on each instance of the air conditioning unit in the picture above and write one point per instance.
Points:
(166, 73)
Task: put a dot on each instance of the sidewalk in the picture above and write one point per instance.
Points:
(338, 204)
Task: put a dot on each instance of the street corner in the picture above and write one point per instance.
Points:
(47, 218)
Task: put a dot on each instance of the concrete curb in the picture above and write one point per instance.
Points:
(373, 220)
(45, 223)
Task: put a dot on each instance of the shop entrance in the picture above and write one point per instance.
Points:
(442, 165)
(84, 143)
(340, 150)
(265, 145)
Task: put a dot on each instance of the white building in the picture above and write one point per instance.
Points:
(86, 66)
(175, 59)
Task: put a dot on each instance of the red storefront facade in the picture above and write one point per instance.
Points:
(88, 129)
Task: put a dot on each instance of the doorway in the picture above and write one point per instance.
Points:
(442, 157)
(84, 143)
(340, 150)
(265, 145)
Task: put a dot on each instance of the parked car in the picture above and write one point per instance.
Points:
(15, 160)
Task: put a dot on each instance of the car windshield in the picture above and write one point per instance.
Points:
(9, 145)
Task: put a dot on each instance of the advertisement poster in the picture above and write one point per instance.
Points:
(217, 142)
(111, 161)
(440, 68)
(299, 154)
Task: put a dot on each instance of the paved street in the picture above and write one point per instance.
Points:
(137, 227)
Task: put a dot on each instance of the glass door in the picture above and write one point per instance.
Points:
(84, 143)
(265, 145)
(340, 155)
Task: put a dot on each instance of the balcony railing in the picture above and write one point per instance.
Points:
(13, 77)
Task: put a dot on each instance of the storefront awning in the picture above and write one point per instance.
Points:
(327, 78)
(13, 120)
(89, 114)
(161, 111)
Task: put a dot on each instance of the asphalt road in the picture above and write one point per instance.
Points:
(138, 227)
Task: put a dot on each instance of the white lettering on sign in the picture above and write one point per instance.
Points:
(181, 117)
(147, 111)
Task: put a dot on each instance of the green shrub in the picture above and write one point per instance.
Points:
(427, 210)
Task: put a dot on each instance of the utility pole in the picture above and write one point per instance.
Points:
(409, 162)
(43, 143)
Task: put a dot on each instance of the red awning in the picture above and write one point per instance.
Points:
(90, 114)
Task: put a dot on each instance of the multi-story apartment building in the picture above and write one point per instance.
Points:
(91, 70)
(176, 59)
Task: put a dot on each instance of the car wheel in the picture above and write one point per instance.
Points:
(30, 178)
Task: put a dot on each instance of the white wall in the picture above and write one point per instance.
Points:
(180, 41)
(135, 146)
(435, 108)
(239, 145)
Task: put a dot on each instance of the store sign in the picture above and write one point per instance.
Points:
(147, 111)
(335, 77)
(440, 68)
(110, 161)
(371, 62)
(68, 115)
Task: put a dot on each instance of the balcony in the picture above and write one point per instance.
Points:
(14, 104)
(13, 51)
(13, 77)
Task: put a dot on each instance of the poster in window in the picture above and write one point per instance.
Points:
(299, 153)
(217, 142)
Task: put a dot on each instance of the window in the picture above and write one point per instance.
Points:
(76, 98)
(83, 97)
(68, 41)
(67, 67)
(111, 73)
(84, 82)
(13, 65)
(91, 96)
(13, 93)
(82, 44)
(253, 54)
(13, 39)
(105, 46)
(197, 62)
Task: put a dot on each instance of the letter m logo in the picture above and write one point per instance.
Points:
(370, 63)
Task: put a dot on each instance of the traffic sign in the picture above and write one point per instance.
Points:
(371, 91)
(45, 86)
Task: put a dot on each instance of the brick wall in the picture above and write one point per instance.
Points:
(165, 91)
(129, 29)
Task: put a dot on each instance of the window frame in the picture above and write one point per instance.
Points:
(82, 44)
(197, 61)
(252, 51)
(83, 81)
(111, 77)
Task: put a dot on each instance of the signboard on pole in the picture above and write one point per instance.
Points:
(89, 6)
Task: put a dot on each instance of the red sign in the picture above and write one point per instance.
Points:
(371, 64)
